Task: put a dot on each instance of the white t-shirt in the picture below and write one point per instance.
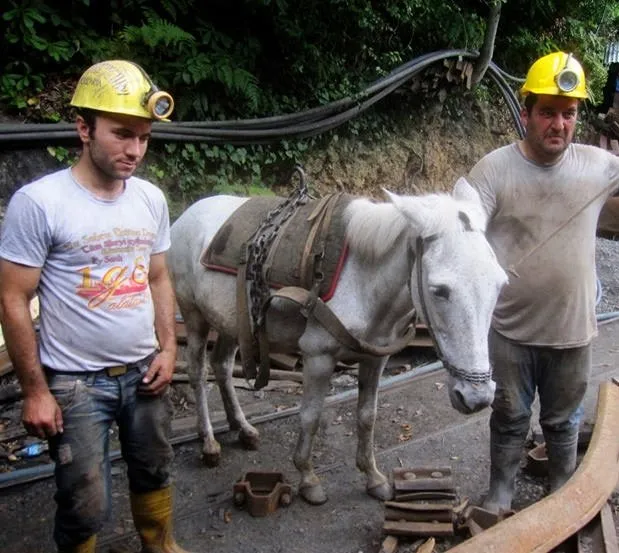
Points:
(552, 300)
(96, 305)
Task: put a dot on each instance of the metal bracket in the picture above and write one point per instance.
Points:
(262, 492)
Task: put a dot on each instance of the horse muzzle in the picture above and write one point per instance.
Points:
(470, 397)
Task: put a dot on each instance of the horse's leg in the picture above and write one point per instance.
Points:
(369, 375)
(197, 333)
(317, 372)
(222, 361)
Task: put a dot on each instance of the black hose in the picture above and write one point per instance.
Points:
(271, 129)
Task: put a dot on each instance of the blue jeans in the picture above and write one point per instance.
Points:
(560, 377)
(90, 403)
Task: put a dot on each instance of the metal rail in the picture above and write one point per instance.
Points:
(41, 472)
(551, 521)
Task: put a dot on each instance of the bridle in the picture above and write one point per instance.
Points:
(451, 369)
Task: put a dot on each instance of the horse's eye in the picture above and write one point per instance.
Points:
(441, 291)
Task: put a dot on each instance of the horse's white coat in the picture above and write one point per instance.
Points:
(374, 300)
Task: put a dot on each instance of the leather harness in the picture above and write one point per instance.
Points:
(311, 305)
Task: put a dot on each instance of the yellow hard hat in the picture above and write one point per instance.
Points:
(557, 74)
(119, 86)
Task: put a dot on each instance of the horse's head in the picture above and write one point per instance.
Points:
(455, 283)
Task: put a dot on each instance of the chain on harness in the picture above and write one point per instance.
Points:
(260, 245)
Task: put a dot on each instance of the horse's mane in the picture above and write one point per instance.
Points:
(373, 229)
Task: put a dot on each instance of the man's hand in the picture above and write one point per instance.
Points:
(159, 374)
(41, 415)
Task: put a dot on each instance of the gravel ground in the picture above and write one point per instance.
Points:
(607, 260)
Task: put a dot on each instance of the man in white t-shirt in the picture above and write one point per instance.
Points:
(90, 241)
(543, 196)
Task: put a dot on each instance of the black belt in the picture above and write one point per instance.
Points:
(113, 371)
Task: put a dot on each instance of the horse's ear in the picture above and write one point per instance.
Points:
(393, 198)
(417, 210)
(399, 202)
(464, 191)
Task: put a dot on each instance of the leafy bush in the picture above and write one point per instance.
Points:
(238, 59)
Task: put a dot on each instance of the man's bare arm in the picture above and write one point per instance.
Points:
(160, 372)
(41, 415)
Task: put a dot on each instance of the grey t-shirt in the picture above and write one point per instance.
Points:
(551, 301)
(96, 307)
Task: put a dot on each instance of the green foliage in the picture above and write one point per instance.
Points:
(63, 155)
(192, 171)
(239, 59)
(34, 36)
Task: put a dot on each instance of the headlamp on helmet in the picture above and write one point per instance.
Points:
(158, 103)
(567, 79)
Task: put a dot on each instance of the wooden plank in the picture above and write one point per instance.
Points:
(237, 372)
(609, 533)
(425, 529)
(185, 424)
(603, 142)
(285, 361)
(389, 545)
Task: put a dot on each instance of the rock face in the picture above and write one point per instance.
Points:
(19, 167)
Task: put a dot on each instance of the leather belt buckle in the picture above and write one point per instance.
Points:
(118, 370)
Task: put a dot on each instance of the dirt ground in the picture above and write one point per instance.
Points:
(416, 426)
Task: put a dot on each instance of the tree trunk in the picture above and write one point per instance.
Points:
(487, 50)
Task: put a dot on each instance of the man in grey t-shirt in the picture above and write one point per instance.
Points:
(91, 242)
(543, 196)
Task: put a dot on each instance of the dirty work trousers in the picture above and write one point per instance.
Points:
(560, 377)
(90, 403)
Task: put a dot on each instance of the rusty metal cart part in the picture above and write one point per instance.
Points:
(430, 512)
(428, 495)
(549, 522)
(478, 520)
(418, 512)
(537, 461)
(422, 478)
(262, 492)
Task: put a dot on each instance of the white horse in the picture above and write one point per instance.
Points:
(375, 299)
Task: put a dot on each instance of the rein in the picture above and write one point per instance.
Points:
(605, 190)
(312, 306)
(451, 369)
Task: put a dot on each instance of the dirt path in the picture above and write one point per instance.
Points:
(415, 426)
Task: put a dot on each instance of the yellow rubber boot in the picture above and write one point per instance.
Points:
(85, 547)
(152, 516)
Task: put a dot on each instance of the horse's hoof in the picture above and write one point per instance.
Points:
(383, 491)
(314, 495)
(211, 459)
(249, 441)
